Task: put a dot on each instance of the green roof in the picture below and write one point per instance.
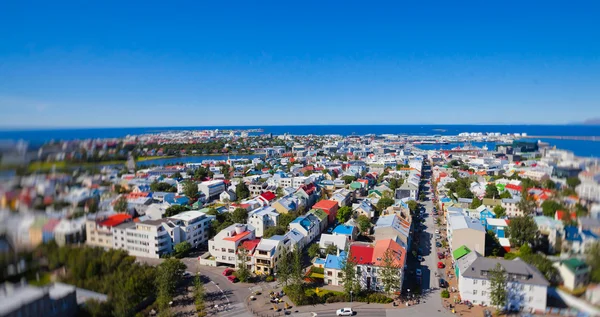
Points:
(318, 213)
(574, 264)
(356, 185)
(500, 187)
(375, 191)
(491, 202)
(460, 252)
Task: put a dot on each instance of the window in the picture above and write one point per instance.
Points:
(522, 287)
(483, 293)
(474, 282)
(530, 299)
(483, 283)
(531, 288)
(474, 292)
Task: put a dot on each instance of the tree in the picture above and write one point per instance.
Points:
(389, 273)
(549, 207)
(384, 203)
(314, 250)
(422, 196)
(581, 210)
(239, 215)
(476, 203)
(242, 191)
(344, 214)
(413, 206)
(201, 173)
(169, 274)
(348, 179)
(549, 184)
(491, 191)
(182, 248)
(199, 294)
(395, 183)
(190, 189)
(121, 204)
(573, 182)
(505, 194)
(272, 231)
(176, 175)
(499, 211)
(331, 249)
(162, 187)
(174, 210)
(284, 268)
(498, 287)
(92, 205)
(464, 193)
(526, 205)
(243, 273)
(349, 277)
(593, 260)
(522, 230)
(364, 223)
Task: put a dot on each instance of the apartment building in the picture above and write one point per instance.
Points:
(99, 231)
(369, 262)
(527, 287)
(333, 269)
(574, 273)
(268, 252)
(308, 226)
(194, 226)
(262, 219)
(511, 207)
(223, 247)
(211, 189)
(151, 238)
(464, 230)
(395, 228)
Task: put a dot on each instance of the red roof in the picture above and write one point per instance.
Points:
(325, 204)
(361, 253)
(237, 237)
(250, 245)
(513, 187)
(268, 195)
(309, 189)
(115, 220)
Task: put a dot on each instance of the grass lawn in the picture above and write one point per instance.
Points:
(44, 279)
(148, 158)
(317, 275)
(46, 166)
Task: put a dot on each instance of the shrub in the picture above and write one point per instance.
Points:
(445, 294)
(336, 299)
(270, 278)
(319, 270)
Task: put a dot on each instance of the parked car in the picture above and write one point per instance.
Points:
(227, 272)
(442, 283)
(437, 236)
(437, 231)
(232, 278)
(487, 313)
(418, 272)
(345, 312)
(441, 265)
(420, 258)
(441, 255)
(438, 244)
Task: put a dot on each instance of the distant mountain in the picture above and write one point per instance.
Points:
(592, 121)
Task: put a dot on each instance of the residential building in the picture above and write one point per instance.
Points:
(365, 208)
(151, 238)
(463, 230)
(194, 227)
(70, 231)
(350, 232)
(308, 226)
(511, 207)
(343, 197)
(407, 189)
(527, 287)
(395, 228)
(369, 261)
(285, 205)
(223, 247)
(339, 241)
(330, 207)
(333, 269)
(211, 189)
(574, 273)
(268, 252)
(262, 219)
(99, 231)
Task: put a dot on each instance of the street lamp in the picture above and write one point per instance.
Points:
(351, 296)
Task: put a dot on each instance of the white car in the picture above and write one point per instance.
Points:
(437, 231)
(344, 312)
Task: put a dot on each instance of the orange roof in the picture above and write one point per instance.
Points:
(115, 220)
(381, 247)
(250, 245)
(325, 204)
(237, 237)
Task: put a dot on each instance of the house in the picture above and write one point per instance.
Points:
(333, 269)
(343, 197)
(228, 195)
(370, 259)
(464, 230)
(267, 253)
(322, 218)
(484, 213)
(350, 232)
(498, 226)
(511, 207)
(223, 246)
(363, 208)
(56, 300)
(99, 231)
(527, 287)
(330, 207)
(490, 203)
(308, 226)
(576, 240)
(262, 219)
(339, 241)
(407, 189)
(465, 202)
(70, 231)
(211, 189)
(267, 197)
(395, 228)
(574, 273)
(285, 205)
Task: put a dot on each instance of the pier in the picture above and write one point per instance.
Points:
(563, 137)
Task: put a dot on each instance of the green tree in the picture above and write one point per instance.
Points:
(92, 205)
(476, 203)
(176, 175)
(464, 193)
(581, 210)
(498, 288)
(505, 194)
(190, 189)
(348, 179)
(491, 191)
(384, 203)
(413, 206)
(272, 231)
(161, 187)
(549, 207)
(199, 295)
(593, 260)
(526, 205)
(242, 191)
(284, 268)
(499, 211)
(349, 276)
(243, 273)
(239, 215)
(314, 250)
(169, 274)
(549, 184)
(390, 271)
(175, 209)
(121, 204)
(331, 249)
(522, 230)
(344, 214)
(364, 223)
(573, 182)
(395, 183)
(182, 248)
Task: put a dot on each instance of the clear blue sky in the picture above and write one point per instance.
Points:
(128, 63)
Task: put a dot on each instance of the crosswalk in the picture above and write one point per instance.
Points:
(238, 310)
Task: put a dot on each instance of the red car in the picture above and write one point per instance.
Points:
(227, 272)
(232, 278)
(441, 265)
(441, 256)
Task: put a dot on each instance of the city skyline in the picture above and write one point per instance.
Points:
(143, 65)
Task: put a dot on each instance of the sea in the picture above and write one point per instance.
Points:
(37, 137)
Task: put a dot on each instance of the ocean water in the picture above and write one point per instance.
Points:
(581, 148)
(191, 159)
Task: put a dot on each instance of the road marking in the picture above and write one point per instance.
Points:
(222, 293)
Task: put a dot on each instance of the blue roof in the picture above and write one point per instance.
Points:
(385, 221)
(303, 221)
(445, 200)
(320, 261)
(572, 234)
(344, 230)
(335, 261)
(589, 234)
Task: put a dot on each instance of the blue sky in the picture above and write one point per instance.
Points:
(128, 63)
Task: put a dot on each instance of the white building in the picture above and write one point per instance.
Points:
(194, 226)
(263, 218)
(151, 238)
(527, 287)
(223, 247)
(211, 189)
